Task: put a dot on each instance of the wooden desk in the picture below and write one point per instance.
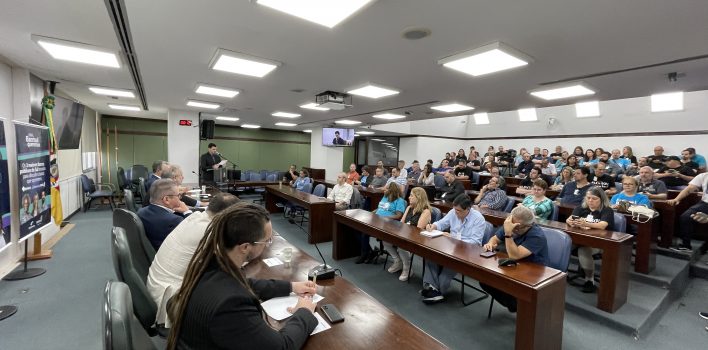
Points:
(315, 173)
(362, 313)
(616, 257)
(539, 290)
(429, 190)
(645, 259)
(328, 184)
(374, 195)
(669, 215)
(320, 210)
(239, 183)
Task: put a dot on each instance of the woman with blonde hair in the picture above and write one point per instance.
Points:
(418, 213)
(566, 175)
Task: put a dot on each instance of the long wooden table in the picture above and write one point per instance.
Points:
(239, 183)
(362, 313)
(539, 290)
(320, 227)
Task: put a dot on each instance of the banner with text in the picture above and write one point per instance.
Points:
(4, 190)
(33, 177)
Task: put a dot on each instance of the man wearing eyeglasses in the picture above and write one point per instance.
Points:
(164, 213)
(342, 192)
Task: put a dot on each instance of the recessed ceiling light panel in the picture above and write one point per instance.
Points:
(250, 126)
(285, 124)
(124, 107)
(111, 92)
(314, 106)
(373, 91)
(347, 122)
(77, 52)
(388, 116)
(672, 101)
(239, 63)
(216, 91)
(561, 92)
(307, 131)
(527, 115)
(228, 119)
(365, 132)
(452, 108)
(487, 59)
(285, 115)
(481, 118)
(328, 13)
(587, 109)
(200, 104)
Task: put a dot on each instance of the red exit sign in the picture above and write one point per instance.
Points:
(185, 122)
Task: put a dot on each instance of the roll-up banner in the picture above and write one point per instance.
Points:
(4, 191)
(33, 178)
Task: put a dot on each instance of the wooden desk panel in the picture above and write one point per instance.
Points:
(374, 195)
(320, 209)
(368, 324)
(540, 291)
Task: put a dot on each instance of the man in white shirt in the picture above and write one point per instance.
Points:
(548, 168)
(341, 193)
(402, 169)
(687, 221)
(171, 260)
(397, 177)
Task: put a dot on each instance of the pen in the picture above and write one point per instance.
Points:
(314, 278)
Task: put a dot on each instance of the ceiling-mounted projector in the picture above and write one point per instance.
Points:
(333, 100)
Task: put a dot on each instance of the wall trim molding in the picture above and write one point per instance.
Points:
(627, 134)
(134, 132)
(258, 140)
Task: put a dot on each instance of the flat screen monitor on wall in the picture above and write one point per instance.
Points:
(337, 137)
(68, 120)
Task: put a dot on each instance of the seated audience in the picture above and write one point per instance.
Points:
(460, 155)
(545, 155)
(526, 184)
(164, 213)
(540, 205)
(402, 168)
(444, 167)
(525, 166)
(598, 152)
(657, 160)
(629, 194)
(633, 169)
(341, 193)
(302, 180)
(157, 168)
(698, 159)
(590, 159)
(687, 161)
(491, 196)
(171, 260)
(578, 153)
(695, 213)
(495, 173)
(473, 151)
(397, 210)
(594, 213)
(520, 156)
(380, 164)
(674, 174)
(616, 158)
(175, 173)
(548, 169)
(536, 157)
(414, 171)
(629, 155)
(524, 241)
(464, 223)
(365, 178)
(574, 192)
(649, 186)
(461, 171)
(379, 179)
(603, 180)
(218, 307)
(418, 213)
(397, 178)
(558, 154)
(473, 163)
(291, 175)
(562, 161)
(392, 205)
(427, 177)
(612, 169)
(566, 176)
(452, 189)
(352, 175)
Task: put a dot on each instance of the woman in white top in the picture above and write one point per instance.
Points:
(427, 177)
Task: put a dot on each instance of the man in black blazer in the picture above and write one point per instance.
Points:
(453, 188)
(164, 213)
(209, 162)
(158, 167)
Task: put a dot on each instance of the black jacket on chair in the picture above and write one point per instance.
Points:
(158, 223)
(222, 314)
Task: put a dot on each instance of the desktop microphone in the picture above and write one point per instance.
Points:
(322, 271)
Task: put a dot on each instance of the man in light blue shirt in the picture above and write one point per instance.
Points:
(697, 158)
(463, 223)
(397, 178)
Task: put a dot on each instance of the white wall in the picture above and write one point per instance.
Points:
(9, 256)
(618, 116)
(328, 158)
(183, 143)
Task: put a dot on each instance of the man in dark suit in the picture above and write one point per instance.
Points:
(209, 162)
(338, 140)
(157, 168)
(453, 188)
(164, 213)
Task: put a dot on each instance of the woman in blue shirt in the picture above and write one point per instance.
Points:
(392, 206)
(303, 179)
(629, 194)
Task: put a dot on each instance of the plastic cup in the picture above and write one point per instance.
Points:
(287, 255)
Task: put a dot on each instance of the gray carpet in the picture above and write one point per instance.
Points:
(62, 308)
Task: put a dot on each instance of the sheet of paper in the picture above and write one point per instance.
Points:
(273, 262)
(322, 325)
(277, 308)
(223, 162)
(431, 234)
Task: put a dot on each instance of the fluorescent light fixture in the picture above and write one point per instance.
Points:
(228, 119)
(250, 126)
(285, 115)
(373, 91)
(527, 115)
(672, 101)
(200, 104)
(487, 59)
(561, 92)
(378, 140)
(216, 91)
(386, 143)
(314, 106)
(452, 108)
(481, 118)
(328, 13)
(365, 132)
(388, 116)
(285, 124)
(587, 109)
(239, 63)
(111, 92)
(124, 107)
(356, 135)
(347, 122)
(77, 52)
(307, 130)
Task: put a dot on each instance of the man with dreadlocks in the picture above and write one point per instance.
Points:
(218, 307)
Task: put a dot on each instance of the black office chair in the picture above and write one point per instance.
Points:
(93, 191)
(144, 198)
(137, 239)
(124, 262)
(121, 329)
(129, 200)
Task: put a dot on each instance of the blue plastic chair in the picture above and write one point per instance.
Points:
(264, 174)
(620, 223)
(438, 181)
(554, 213)
(321, 190)
(509, 204)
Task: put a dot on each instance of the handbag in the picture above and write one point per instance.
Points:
(641, 213)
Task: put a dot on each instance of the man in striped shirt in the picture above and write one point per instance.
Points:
(491, 196)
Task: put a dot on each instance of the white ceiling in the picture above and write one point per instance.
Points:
(175, 41)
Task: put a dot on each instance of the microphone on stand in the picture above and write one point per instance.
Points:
(322, 271)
